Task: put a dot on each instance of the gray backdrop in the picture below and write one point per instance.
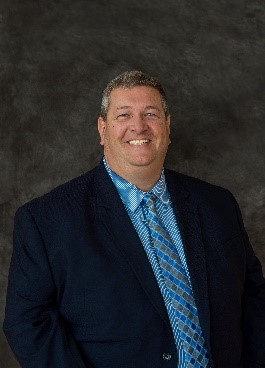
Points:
(55, 58)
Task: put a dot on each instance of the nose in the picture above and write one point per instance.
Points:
(138, 124)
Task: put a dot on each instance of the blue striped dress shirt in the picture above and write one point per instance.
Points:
(131, 197)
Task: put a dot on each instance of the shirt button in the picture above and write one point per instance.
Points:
(166, 356)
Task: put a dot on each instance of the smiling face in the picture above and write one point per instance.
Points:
(136, 131)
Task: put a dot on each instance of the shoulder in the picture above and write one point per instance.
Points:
(214, 203)
(201, 190)
(75, 193)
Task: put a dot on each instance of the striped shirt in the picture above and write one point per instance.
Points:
(132, 197)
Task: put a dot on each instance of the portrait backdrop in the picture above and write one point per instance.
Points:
(57, 56)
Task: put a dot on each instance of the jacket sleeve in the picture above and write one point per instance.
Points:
(253, 306)
(34, 328)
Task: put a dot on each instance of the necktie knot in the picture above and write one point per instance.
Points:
(149, 201)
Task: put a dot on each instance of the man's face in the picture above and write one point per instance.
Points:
(136, 130)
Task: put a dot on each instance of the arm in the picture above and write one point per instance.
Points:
(253, 306)
(33, 326)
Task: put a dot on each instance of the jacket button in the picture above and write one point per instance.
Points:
(166, 356)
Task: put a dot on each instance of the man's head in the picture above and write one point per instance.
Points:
(129, 79)
(134, 126)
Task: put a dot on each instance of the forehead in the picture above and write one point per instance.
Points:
(139, 96)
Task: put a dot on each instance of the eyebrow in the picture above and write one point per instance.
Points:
(152, 107)
(123, 107)
(146, 107)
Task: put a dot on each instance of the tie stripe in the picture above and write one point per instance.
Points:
(186, 323)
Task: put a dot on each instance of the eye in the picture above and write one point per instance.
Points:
(151, 115)
(123, 116)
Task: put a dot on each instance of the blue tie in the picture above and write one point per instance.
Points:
(186, 323)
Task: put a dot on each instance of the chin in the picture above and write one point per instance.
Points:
(142, 162)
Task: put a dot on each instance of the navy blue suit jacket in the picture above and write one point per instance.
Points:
(82, 293)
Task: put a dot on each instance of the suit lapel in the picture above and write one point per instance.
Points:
(115, 219)
(187, 216)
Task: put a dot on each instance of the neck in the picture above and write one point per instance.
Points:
(143, 177)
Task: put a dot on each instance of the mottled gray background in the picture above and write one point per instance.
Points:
(55, 58)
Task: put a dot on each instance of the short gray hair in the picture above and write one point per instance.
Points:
(129, 79)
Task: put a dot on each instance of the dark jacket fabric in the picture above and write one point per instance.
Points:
(82, 293)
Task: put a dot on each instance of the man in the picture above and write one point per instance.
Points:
(131, 265)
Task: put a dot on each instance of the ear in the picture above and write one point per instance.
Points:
(168, 126)
(101, 130)
(168, 123)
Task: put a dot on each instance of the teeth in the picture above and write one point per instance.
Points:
(139, 141)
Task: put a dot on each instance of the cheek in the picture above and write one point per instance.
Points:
(112, 134)
(117, 132)
(161, 132)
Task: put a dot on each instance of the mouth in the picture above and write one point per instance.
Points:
(139, 142)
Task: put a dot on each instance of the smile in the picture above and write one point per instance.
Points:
(138, 142)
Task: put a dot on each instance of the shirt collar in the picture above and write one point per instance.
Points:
(131, 195)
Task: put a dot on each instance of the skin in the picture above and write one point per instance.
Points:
(135, 115)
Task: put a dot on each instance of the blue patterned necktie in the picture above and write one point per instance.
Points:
(186, 323)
